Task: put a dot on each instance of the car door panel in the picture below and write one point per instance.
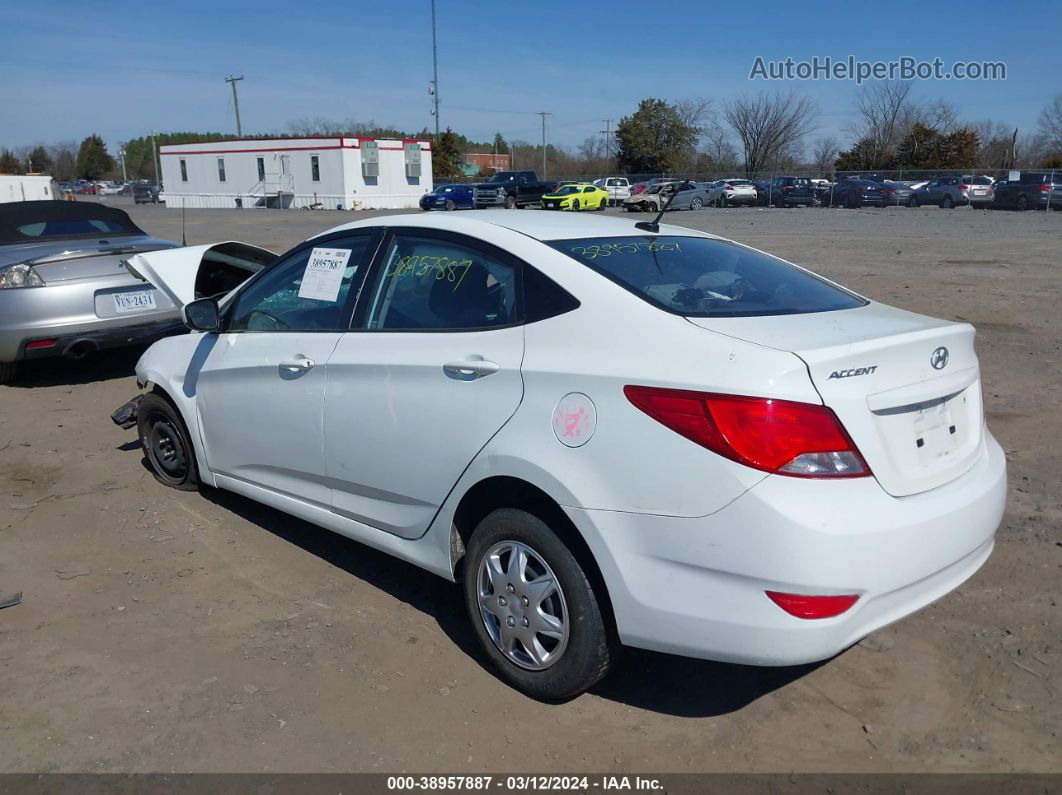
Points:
(409, 403)
(260, 390)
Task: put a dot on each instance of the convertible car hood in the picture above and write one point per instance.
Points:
(190, 272)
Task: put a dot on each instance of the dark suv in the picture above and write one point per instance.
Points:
(145, 194)
(790, 191)
(1032, 189)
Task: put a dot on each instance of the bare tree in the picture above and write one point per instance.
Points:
(996, 143)
(824, 153)
(941, 115)
(592, 148)
(1050, 123)
(694, 113)
(884, 114)
(770, 126)
(717, 147)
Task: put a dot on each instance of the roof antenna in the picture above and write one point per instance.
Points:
(654, 225)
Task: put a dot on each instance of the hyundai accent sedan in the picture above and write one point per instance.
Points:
(609, 433)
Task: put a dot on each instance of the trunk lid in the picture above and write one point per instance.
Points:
(906, 387)
(86, 260)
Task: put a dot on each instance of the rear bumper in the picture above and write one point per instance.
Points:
(101, 339)
(696, 586)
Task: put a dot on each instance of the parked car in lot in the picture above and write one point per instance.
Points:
(1035, 190)
(64, 287)
(522, 188)
(657, 439)
(449, 197)
(649, 200)
(619, 188)
(731, 193)
(576, 196)
(948, 192)
(791, 192)
(859, 192)
(145, 194)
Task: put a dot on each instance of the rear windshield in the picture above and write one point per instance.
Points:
(700, 277)
(73, 227)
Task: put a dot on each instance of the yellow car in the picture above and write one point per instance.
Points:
(576, 196)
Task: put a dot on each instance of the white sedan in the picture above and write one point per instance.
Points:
(610, 433)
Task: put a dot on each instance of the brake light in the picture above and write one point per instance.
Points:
(805, 606)
(1045, 188)
(728, 186)
(964, 187)
(778, 436)
(40, 344)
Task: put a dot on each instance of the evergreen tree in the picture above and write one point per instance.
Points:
(9, 163)
(39, 161)
(93, 161)
(446, 156)
(654, 139)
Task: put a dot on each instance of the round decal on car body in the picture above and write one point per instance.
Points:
(574, 419)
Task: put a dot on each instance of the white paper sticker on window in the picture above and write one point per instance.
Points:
(324, 273)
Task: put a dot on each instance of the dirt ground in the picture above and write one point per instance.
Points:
(164, 631)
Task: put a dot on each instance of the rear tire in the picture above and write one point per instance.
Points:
(7, 372)
(947, 203)
(696, 203)
(913, 202)
(166, 443)
(450, 204)
(1021, 203)
(500, 598)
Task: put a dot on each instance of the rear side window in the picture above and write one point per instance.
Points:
(700, 277)
(72, 227)
(436, 284)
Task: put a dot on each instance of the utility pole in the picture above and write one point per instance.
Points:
(435, 72)
(236, 102)
(543, 114)
(607, 132)
(121, 154)
(155, 155)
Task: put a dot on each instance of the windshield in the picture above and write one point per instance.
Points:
(701, 277)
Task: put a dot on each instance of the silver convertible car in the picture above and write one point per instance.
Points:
(64, 286)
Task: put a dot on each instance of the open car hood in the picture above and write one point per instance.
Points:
(190, 272)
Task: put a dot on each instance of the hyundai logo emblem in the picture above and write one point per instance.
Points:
(939, 359)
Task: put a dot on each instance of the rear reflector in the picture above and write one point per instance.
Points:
(805, 606)
(40, 344)
(779, 436)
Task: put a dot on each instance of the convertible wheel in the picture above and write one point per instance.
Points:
(164, 438)
(533, 607)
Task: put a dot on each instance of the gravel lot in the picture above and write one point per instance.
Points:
(167, 631)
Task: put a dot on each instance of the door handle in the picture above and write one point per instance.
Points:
(470, 369)
(298, 364)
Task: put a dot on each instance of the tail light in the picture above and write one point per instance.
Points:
(778, 436)
(805, 606)
(1045, 188)
(728, 186)
(964, 187)
(887, 191)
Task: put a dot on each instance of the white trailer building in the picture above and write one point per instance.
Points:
(26, 188)
(324, 172)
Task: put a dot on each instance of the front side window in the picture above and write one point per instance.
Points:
(184, 171)
(700, 277)
(315, 168)
(221, 169)
(430, 283)
(294, 296)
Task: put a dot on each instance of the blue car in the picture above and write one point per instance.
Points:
(449, 197)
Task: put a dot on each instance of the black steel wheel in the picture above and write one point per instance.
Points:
(167, 448)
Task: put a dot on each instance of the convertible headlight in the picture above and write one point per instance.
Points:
(20, 275)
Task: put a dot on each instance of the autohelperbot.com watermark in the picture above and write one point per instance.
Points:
(851, 68)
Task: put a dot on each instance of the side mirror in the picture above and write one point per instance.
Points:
(202, 315)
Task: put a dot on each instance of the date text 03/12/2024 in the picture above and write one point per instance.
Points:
(523, 783)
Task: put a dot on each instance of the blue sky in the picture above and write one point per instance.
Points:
(119, 69)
